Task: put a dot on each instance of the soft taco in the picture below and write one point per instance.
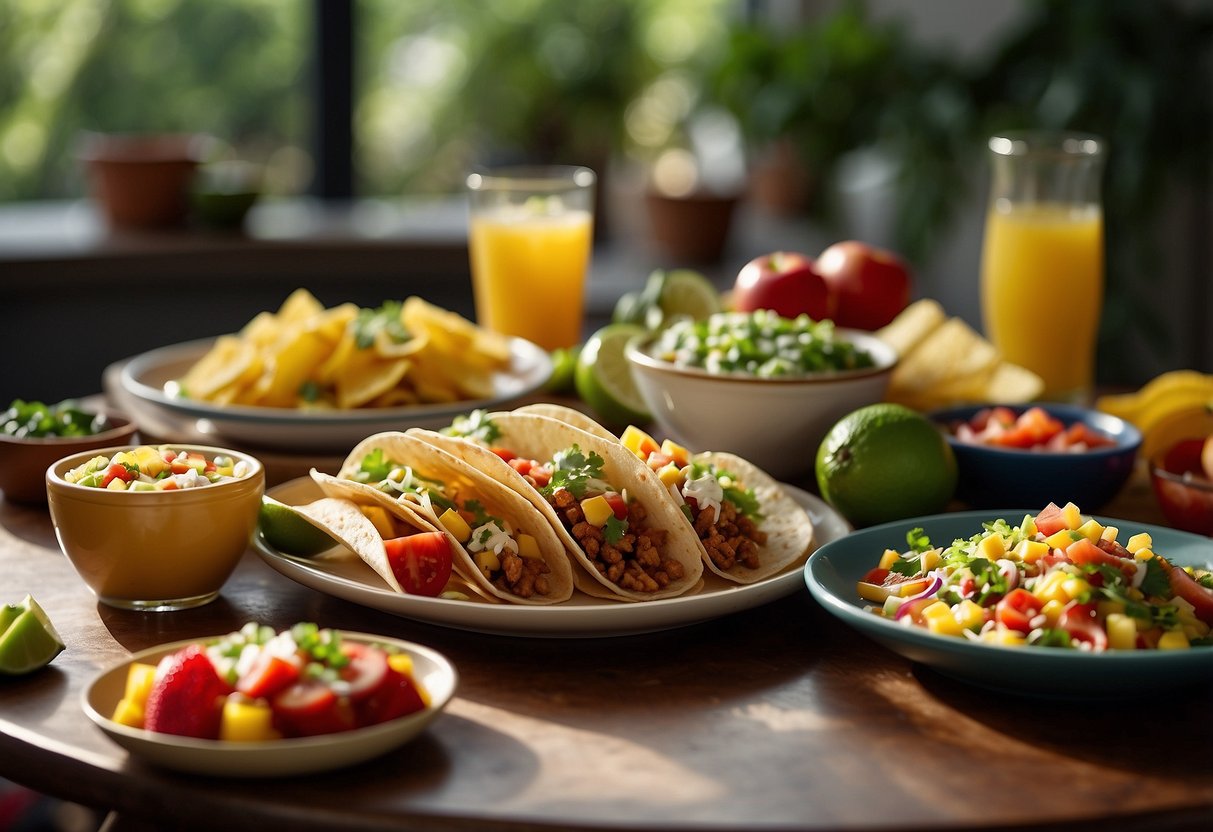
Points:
(614, 516)
(749, 526)
(497, 539)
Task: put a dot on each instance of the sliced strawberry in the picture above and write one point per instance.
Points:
(310, 707)
(366, 671)
(268, 675)
(187, 698)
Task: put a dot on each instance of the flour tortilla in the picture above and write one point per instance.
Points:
(788, 527)
(539, 437)
(458, 477)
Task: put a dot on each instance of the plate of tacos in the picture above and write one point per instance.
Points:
(540, 522)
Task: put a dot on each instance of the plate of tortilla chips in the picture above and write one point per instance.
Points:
(306, 378)
(531, 554)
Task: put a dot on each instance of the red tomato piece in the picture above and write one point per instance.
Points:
(1017, 609)
(876, 576)
(617, 504)
(421, 562)
(1080, 622)
(1083, 552)
(397, 696)
(505, 454)
(1186, 587)
(366, 670)
(522, 466)
(268, 675)
(310, 707)
(1050, 521)
(658, 460)
(116, 472)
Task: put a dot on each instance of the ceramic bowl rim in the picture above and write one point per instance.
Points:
(886, 357)
(56, 481)
(120, 426)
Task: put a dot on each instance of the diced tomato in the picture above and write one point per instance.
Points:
(366, 670)
(617, 504)
(1186, 587)
(505, 454)
(268, 675)
(1050, 520)
(1017, 610)
(658, 460)
(1080, 622)
(1083, 552)
(876, 576)
(310, 707)
(395, 697)
(522, 466)
(116, 472)
(421, 562)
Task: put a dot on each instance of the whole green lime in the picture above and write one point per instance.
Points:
(603, 377)
(885, 462)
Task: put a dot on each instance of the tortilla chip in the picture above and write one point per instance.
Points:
(912, 325)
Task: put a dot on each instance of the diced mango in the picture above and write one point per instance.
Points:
(139, 679)
(1049, 587)
(247, 721)
(1005, 637)
(676, 452)
(1122, 631)
(454, 523)
(149, 460)
(1173, 640)
(992, 547)
(129, 713)
(890, 557)
(487, 561)
(381, 520)
(596, 510)
(970, 615)
(929, 559)
(1140, 541)
(908, 588)
(1092, 530)
(402, 663)
(670, 475)
(1062, 539)
(1072, 516)
(1075, 587)
(1110, 533)
(1030, 551)
(528, 546)
(1143, 554)
(638, 442)
(939, 619)
(116, 484)
(1052, 611)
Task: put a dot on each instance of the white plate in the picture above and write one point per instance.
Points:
(302, 755)
(142, 380)
(581, 616)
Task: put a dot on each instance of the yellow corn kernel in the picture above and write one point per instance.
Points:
(638, 442)
(402, 663)
(1075, 587)
(247, 721)
(1049, 588)
(1139, 541)
(929, 559)
(1030, 551)
(670, 475)
(1062, 539)
(1052, 611)
(1173, 640)
(1143, 554)
(128, 713)
(1122, 631)
(487, 561)
(890, 557)
(381, 520)
(528, 546)
(969, 615)
(596, 510)
(454, 523)
(1071, 515)
(1005, 637)
(139, 679)
(676, 452)
(992, 547)
(939, 619)
(1092, 530)
(1110, 533)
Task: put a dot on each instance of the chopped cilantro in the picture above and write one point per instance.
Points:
(573, 471)
(614, 529)
(309, 391)
(1156, 582)
(375, 466)
(475, 425)
(387, 318)
(918, 540)
(1050, 637)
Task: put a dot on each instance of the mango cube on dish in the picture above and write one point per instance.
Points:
(454, 523)
(528, 546)
(596, 510)
(249, 721)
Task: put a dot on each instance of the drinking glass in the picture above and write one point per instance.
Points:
(530, 240)
(1042, 267)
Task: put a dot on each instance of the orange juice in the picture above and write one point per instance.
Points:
(529, 271)
(1042, 290)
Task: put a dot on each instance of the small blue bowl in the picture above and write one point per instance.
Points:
(992, 476)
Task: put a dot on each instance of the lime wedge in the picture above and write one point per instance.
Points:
(686, 293)
(564, 364)
(604, 377)
(29, 641)
(289, 531)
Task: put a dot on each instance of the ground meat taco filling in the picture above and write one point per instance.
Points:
(730, 537)
(610, 529)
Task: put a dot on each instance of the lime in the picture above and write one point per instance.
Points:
(885, 462)
(29, 641)
(289, 531)
(686, 293)
(564, 365)
(604, 378)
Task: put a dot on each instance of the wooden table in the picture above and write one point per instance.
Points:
(776, 718)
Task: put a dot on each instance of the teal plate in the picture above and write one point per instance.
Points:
(833, 570)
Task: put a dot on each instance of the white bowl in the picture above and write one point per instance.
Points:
(776, 423)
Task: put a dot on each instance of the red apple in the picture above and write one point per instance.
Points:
(870, 285)
(785, 282)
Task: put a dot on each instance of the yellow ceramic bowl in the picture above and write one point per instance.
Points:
(155, 550)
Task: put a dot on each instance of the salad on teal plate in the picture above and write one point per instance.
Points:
(1049, 602)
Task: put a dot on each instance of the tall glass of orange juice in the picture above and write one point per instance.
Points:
(1042, 266)
(530, 240)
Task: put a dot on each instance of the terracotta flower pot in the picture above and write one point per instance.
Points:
(142, 180)
(692, 228)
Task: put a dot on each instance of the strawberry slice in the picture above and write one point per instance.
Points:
(187, 698)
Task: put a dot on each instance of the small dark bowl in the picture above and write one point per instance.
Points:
(1185, 497)
(990, 477)
(23, 462)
